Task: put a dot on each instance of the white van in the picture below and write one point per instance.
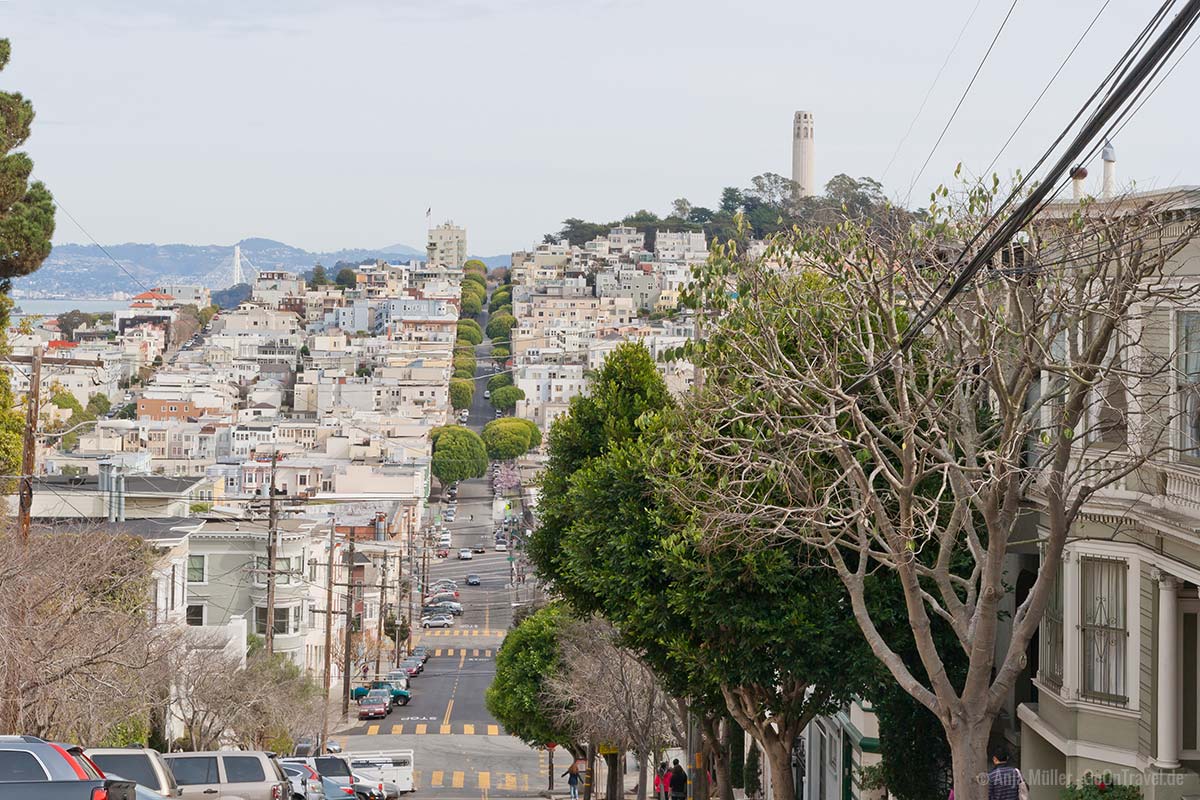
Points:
(395, 767)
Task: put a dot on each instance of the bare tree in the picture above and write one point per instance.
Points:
(1029, 394)
(609, 695)
(74, 623)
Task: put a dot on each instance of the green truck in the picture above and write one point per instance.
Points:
(400, 695)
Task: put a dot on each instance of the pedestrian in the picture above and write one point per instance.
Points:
(661, 785)
(678, 781)
(1004, 781)
(573, 780)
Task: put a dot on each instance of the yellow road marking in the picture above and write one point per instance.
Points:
(469, 729)
(462, 659)
(487, 653)
(475, 631)
(493, 730)
(485, 780)
(372, 730)
(475, 653)
(421, 728)
(510, 781)
(456, 781)
(449, 708)
(437, 653)
(487, 617)
(450, 651)
(398, 729)
(435, 779)
(526, 782)
(444, 730)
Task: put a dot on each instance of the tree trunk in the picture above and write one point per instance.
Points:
(613, 785)
(589, 783)
(642, 773)
(968, 750)
(783, 784)
(721, 763)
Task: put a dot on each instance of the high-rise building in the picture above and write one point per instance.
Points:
(447, 246)
(803, 153)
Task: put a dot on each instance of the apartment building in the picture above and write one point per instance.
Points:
(447, 246)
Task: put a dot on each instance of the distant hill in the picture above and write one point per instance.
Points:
(83, 270)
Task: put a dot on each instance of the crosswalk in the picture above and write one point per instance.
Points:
(460, 632)
(431, 729)
(460, 779)
(473, 652)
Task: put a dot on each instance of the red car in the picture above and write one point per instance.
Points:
(372, 707)
(442, 552)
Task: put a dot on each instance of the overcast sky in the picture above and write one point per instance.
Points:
(336, 124)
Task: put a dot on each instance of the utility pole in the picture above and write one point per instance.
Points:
(29, 443)
(328, 632)
(382, 606)
(349, 626)
(272, 524)
(413, 588)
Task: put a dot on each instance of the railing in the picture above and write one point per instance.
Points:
(1181, 485)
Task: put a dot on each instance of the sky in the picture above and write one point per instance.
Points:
(336, 124)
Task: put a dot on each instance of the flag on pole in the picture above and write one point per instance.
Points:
(429, 214)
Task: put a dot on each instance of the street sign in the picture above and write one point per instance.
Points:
(607, 750)
(511, 559)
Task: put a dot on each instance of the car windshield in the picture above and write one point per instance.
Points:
(332, 767)
(135, 767)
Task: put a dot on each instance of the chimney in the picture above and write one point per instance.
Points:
(1078, 176)
(1109, 156)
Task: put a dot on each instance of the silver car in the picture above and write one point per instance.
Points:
(142, 765)
(228, 774)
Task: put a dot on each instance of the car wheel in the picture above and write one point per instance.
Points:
(404, 701)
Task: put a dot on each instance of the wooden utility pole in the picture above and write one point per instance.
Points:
(382, 606)
(272, 533)
(29, 443)
(349, 627)
(328, 634)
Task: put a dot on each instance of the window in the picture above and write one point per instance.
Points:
(1187, 383)
(281, 621)
(195, 615)
(194, 770)
(196, 569)
(243, 769)
(296, 619)
(19, 765)
(1051, 659)
(1103, 628)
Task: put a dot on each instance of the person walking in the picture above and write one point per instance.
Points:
(1004, 781)
(661, 776)
(679, 780)
(573, 780)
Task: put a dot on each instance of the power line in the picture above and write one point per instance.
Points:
(961, 100)
(103, 249)
(929, 92)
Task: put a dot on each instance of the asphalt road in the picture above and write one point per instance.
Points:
(460, 751)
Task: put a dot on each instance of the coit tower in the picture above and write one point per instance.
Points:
(803, 153)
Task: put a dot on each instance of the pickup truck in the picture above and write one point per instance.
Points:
(95, 789)
(400, 695)
(34, 768)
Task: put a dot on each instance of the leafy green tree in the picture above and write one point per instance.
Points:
(476, 278)
(346, 278)
(464, 372)
(469, 329)
(577, 232)
(26, 209)
(465, 359)
(207, 313)
(471, 305)
(71, 321)
(319, 276)
(506, 397)
(462, 392)
(499, 298)
(517, 697)
(499, 380)
(500, 354)
(458, 454)
(98, 405)
(504, 442)
(471, 287)
(500, 326)
(475, 266)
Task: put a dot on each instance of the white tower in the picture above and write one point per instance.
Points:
(804, 153)
(238, 277)
(1108, 155)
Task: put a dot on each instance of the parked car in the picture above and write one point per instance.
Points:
(34, 768)
(393, 768)
(374, 706)
(418, 663)
(398, 677)
(443, 552)
(142, 765)
(421, 651)
(410, 669)
(336, 778)
(444, 584)
(473, 579)
(501, 546)
(446, 607)
(306, 783)
(465, 554)
(245, 774)
(439, 621)
(478, 548)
